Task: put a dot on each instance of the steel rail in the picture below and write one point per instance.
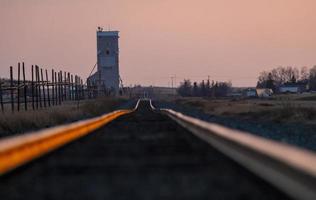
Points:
(18, 150)
(290, 169)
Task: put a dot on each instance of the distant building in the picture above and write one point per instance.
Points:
(293, 88)
(164, 91)
(236, 92)
(264, 92)
(250, 92)
(107, 75)
(152, 92)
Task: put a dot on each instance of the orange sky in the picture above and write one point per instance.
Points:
(225, 39)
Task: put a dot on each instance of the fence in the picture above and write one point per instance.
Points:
(45, 89)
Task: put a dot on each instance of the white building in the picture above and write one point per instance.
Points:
(107, 75)
(293, 88)
(264, 92)
(250, 92)
(289, 89)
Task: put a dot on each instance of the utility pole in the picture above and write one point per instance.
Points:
(173, 81)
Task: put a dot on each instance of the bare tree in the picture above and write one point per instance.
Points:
(185, 88)
(279, 76)
(218, 89)
(291, 74)
(312, 78)
(195, 89)
(262, 79)
(304, 74)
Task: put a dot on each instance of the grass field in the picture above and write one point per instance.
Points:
(20, 122)
(282, 109)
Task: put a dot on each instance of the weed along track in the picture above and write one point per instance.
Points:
(141, 155)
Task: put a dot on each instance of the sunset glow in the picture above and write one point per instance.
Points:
(225, 39)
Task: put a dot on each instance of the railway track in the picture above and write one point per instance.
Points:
(141, 155)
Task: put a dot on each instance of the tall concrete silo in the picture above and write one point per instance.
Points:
(107, 75)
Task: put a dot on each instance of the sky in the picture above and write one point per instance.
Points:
(227, 40)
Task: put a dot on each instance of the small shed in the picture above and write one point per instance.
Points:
(292, 88)
(289, 89)
(250, 92)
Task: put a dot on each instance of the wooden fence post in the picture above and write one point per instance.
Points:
(47, 84)
(75, 92)
(1, 97)
(82, 90)
(11, 89)
(80, 85)
(25, 87)
(32, 85)
(39, 87)
(69, 90)
(53, 87)
(65, 86)
(59, 93)
(43, 86)
(76, 87)
(61, 86)
(36, 87)
(79, 88)
(18, 87)
(56, 89)
(72, 87)
(60, 89)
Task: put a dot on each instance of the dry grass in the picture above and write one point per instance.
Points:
(280, 109)
(20, 122)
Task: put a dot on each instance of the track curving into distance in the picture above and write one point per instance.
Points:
(142, 155)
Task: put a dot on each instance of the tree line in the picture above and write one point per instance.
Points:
(204, 88)
(276, 77)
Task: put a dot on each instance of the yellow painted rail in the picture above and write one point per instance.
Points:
(18, 150)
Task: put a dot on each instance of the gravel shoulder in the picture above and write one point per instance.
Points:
(297, 134)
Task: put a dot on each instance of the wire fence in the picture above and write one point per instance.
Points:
(44, 89)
